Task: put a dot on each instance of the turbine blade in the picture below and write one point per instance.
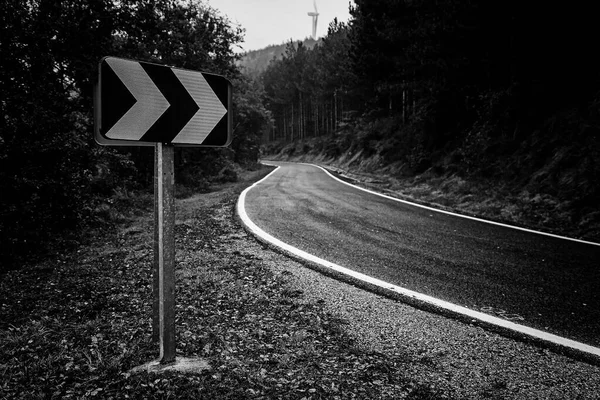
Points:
(315, 4)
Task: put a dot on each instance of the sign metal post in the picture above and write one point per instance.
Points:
(143, 104)
(163, 307)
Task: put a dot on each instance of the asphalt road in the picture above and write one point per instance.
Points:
(539, 281)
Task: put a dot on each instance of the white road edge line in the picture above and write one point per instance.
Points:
(450, 212)
(531, 332)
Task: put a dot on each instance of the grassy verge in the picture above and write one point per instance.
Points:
(74, 325)
(499, 202)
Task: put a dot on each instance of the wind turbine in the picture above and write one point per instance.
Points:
(315, 18)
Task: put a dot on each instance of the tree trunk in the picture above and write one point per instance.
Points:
(292, 132)
(341, 107)
(404, 105)
(335, 110)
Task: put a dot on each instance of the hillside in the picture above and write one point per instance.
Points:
(254, 62)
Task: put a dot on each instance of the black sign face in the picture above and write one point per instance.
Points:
(140, 104)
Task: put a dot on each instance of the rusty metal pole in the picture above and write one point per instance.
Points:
(163, 318)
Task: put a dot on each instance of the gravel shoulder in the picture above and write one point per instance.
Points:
(453, 358)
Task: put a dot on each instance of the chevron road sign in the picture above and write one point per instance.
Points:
(140, 104)
(143, 104)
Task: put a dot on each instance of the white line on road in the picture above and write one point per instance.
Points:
(415, 296)
(450, 212)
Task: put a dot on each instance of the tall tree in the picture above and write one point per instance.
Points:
(49, 165)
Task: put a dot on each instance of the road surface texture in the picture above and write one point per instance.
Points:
(538, 281)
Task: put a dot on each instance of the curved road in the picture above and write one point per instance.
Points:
(539, 281)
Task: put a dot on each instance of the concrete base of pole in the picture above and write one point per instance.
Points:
(182, 364)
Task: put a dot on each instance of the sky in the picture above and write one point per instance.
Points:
(270, 22)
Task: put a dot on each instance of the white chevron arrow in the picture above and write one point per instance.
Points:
(210, 111)
(149, 106)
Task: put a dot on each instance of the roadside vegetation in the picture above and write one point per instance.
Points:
(509, 201)
(55, 181)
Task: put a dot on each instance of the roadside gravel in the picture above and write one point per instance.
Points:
(460, 360)
(453, 359)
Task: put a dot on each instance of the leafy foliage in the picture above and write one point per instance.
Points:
(51, 171)
(253, 120)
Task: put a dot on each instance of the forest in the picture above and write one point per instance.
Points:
(496, 91)
(53, 177)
